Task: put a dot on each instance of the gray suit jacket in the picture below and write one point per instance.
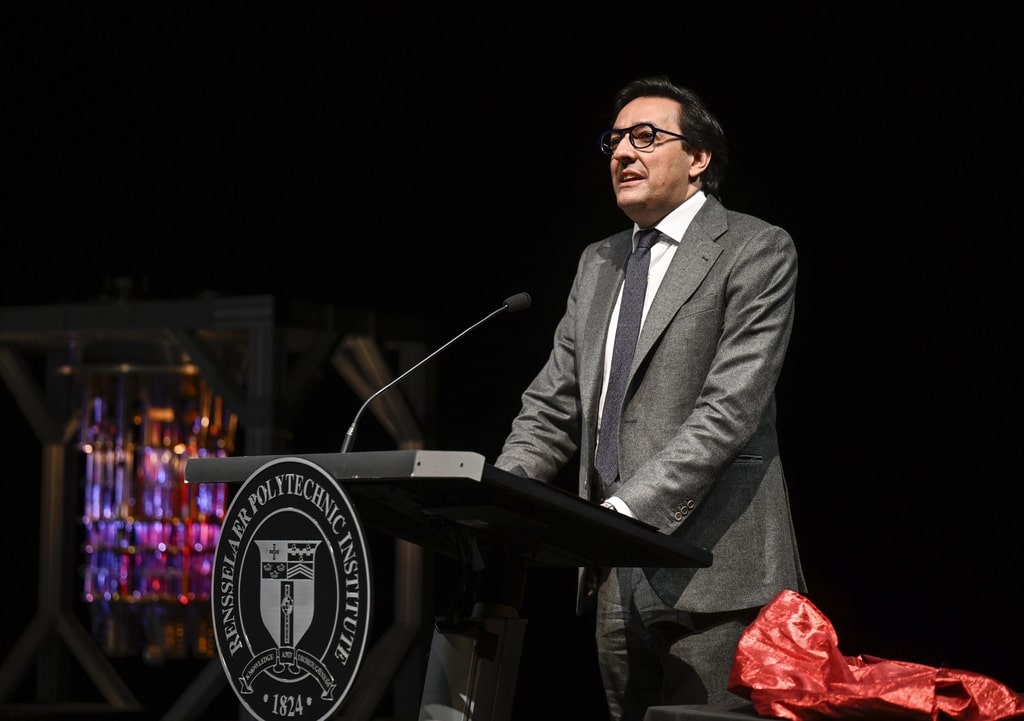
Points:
(698, 447)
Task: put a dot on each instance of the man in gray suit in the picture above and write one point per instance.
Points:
(698, 454)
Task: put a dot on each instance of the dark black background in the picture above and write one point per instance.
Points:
(432, 161)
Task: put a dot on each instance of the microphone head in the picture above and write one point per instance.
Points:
(519, 301)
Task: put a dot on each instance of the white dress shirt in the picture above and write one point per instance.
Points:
(672, 227)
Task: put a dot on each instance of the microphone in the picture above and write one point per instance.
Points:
(512, 304)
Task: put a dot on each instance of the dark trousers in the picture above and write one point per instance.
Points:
(651, 654)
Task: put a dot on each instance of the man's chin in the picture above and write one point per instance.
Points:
(628, 201)
(631, 206)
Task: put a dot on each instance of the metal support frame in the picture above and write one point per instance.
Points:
(54, 615)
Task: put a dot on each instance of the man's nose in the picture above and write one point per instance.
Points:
(624, 150)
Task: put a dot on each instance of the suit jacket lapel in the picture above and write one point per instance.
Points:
(600, 301)
(696, 254)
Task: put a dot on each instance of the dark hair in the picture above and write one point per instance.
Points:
(700, 127)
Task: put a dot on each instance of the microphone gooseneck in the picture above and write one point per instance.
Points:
(512, 304)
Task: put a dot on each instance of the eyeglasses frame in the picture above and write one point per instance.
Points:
(628, 132)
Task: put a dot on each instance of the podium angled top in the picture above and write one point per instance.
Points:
(454, 502)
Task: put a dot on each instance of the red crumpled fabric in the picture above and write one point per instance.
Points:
(788, 665)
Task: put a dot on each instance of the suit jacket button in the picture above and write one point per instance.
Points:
(678, 516)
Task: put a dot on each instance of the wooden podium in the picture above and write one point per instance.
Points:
(456, 504)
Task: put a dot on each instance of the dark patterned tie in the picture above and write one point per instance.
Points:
(631, 309)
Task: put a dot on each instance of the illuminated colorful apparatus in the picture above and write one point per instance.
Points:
(149, 538)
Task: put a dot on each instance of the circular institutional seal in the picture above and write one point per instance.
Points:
(291, 592)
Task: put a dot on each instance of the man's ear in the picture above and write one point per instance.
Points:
(701, 160)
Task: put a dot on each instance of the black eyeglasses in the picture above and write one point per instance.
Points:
(641, 136)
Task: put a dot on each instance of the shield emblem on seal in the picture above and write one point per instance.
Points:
(287, 599)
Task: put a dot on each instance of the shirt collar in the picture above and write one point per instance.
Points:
(674, 224)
